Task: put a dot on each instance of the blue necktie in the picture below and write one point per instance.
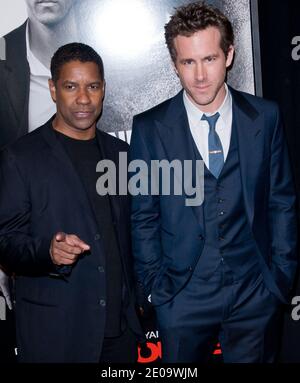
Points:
(216, 156)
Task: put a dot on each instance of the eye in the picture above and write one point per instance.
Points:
(94, 86)
(69, 86)
(188, 62)
(210, 59)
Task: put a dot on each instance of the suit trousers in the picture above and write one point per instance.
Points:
(240, 313)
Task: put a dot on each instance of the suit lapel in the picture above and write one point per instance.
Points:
(249, 124)
(174, 131)
(177, 141)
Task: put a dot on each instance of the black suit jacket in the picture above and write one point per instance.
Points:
(60, 313)
(14, 87)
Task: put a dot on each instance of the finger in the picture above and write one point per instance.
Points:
(63, 246)
(75, 241)
(72, 239)
(61, 236)
(63, 255)
(67, 262)
(62, 258)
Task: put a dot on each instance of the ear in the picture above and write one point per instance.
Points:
(103, 89)
(52, 89)
(230, 56)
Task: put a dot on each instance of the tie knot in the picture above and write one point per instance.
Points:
(212, 120)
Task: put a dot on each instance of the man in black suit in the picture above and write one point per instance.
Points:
(68, 246)
(25, 101)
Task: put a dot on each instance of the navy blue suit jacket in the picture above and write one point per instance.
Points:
(60, 312)
(168, 236)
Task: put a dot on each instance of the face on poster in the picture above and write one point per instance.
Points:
(48, 12)
(129, 36)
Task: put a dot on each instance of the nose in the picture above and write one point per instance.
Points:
(200, 72)
(83, 97)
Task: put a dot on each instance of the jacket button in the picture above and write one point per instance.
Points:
(102, 302)
(201, 237)
(101, 269)
(97, 237)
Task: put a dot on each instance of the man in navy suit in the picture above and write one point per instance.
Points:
(218, 271)
(68, 246)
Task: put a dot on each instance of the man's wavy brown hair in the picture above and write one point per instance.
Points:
(195, 17)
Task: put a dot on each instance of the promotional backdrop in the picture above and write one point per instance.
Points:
(129, 35)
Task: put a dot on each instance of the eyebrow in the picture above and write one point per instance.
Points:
(211, 55)
(203, 58)
(75, 83)
(186, 59)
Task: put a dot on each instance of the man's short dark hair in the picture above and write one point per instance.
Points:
(195, 17)
(74, 52)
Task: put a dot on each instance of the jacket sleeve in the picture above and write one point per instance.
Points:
(145, 217)
(20, 251)
(282, 212)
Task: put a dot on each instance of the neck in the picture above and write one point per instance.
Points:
(45, 40)
(72, 132)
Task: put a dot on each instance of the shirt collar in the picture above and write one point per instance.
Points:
(195, 114)
(36, 67)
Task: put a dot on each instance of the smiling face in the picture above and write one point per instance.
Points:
(49, 12)
(201, 66)
(78, 93)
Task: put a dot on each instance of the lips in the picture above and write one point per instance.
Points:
(47, 2)
(201, 87)
(83, 114)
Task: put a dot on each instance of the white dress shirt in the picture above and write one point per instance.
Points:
(41, 105)
(200, 129)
